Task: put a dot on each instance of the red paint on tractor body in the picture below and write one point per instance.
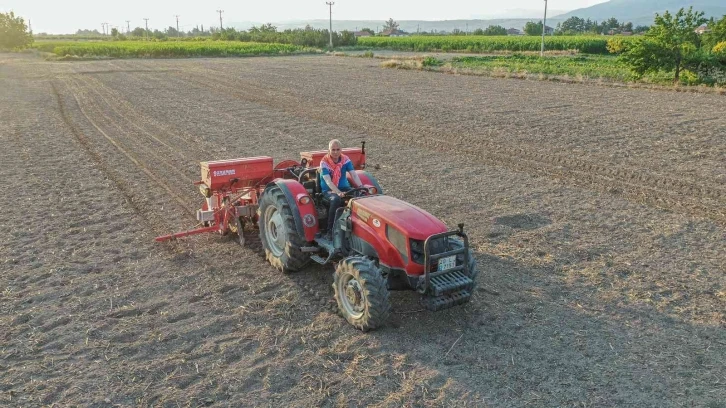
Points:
(308, 214)
(373, 215)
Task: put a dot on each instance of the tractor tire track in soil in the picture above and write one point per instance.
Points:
(186, 142)
(706, 199)
(143, 151)
(132, 158)
(120, 184)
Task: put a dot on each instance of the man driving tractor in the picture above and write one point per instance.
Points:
(335, 167)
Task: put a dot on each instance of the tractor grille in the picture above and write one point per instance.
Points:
(437, 245)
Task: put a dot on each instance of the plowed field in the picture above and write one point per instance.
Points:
(597, 215)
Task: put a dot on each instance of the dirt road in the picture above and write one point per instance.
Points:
(598, 216)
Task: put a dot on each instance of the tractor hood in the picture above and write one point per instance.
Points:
(407, 218)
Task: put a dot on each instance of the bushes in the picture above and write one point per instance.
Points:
(170, 49)
(14, 33)
(589, 45)
(305, 37)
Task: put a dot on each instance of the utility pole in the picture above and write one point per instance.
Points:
(177, 24)
(146, 32)
(544, 28)
(128, 27)
(330, 4)
(220, 19)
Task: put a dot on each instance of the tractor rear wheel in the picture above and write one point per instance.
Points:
(361, 293)
(279, 237)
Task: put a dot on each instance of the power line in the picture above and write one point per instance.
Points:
(330, 4)
(220, 19)
(544, 28)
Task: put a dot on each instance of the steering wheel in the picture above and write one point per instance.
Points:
(357, 192)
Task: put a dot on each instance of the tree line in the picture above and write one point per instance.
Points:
(672, 44)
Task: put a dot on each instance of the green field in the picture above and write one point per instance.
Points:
(165, 49)
(590, 66)
(583, 44)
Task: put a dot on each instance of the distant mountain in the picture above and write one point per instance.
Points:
(519, 13)
(410, 26)
(639, 12)
(642, 12)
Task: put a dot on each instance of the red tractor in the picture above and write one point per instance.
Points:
(379, 243)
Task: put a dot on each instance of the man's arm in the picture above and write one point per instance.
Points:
(331, 185)
(356, 179)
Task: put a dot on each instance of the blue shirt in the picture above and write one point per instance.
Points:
(343, 183)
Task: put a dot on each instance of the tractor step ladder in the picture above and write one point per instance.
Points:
(328, 246)
(449, 282)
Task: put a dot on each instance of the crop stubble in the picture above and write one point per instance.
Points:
(597, 215)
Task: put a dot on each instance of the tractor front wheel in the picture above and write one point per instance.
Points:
(279, 237)
(361, 293)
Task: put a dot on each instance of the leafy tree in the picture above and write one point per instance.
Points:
(495, 30)
(573, 25)
(172, 32)
(88, 32)
(159, 35)
(478, 31)
(717, 33)
(13, 32)
(114, 32)
(368, 30)
(670, 42)
(390, 25)
(138, 32)
(640, 29)
(533, 28)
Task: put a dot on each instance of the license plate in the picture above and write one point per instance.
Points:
(447, 263)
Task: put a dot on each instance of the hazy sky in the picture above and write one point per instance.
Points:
(56, 16)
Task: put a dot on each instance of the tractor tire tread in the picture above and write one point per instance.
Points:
(293, 259)
(376, 292)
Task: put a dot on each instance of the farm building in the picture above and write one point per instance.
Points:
(394, 33)
(702, 29)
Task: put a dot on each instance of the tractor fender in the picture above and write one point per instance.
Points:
(305, 215)
(367, 179)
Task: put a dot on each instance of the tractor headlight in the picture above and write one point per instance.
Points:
(417, 251)
(398, 240)
(372, 190)
(436, 246)
(304, 200)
